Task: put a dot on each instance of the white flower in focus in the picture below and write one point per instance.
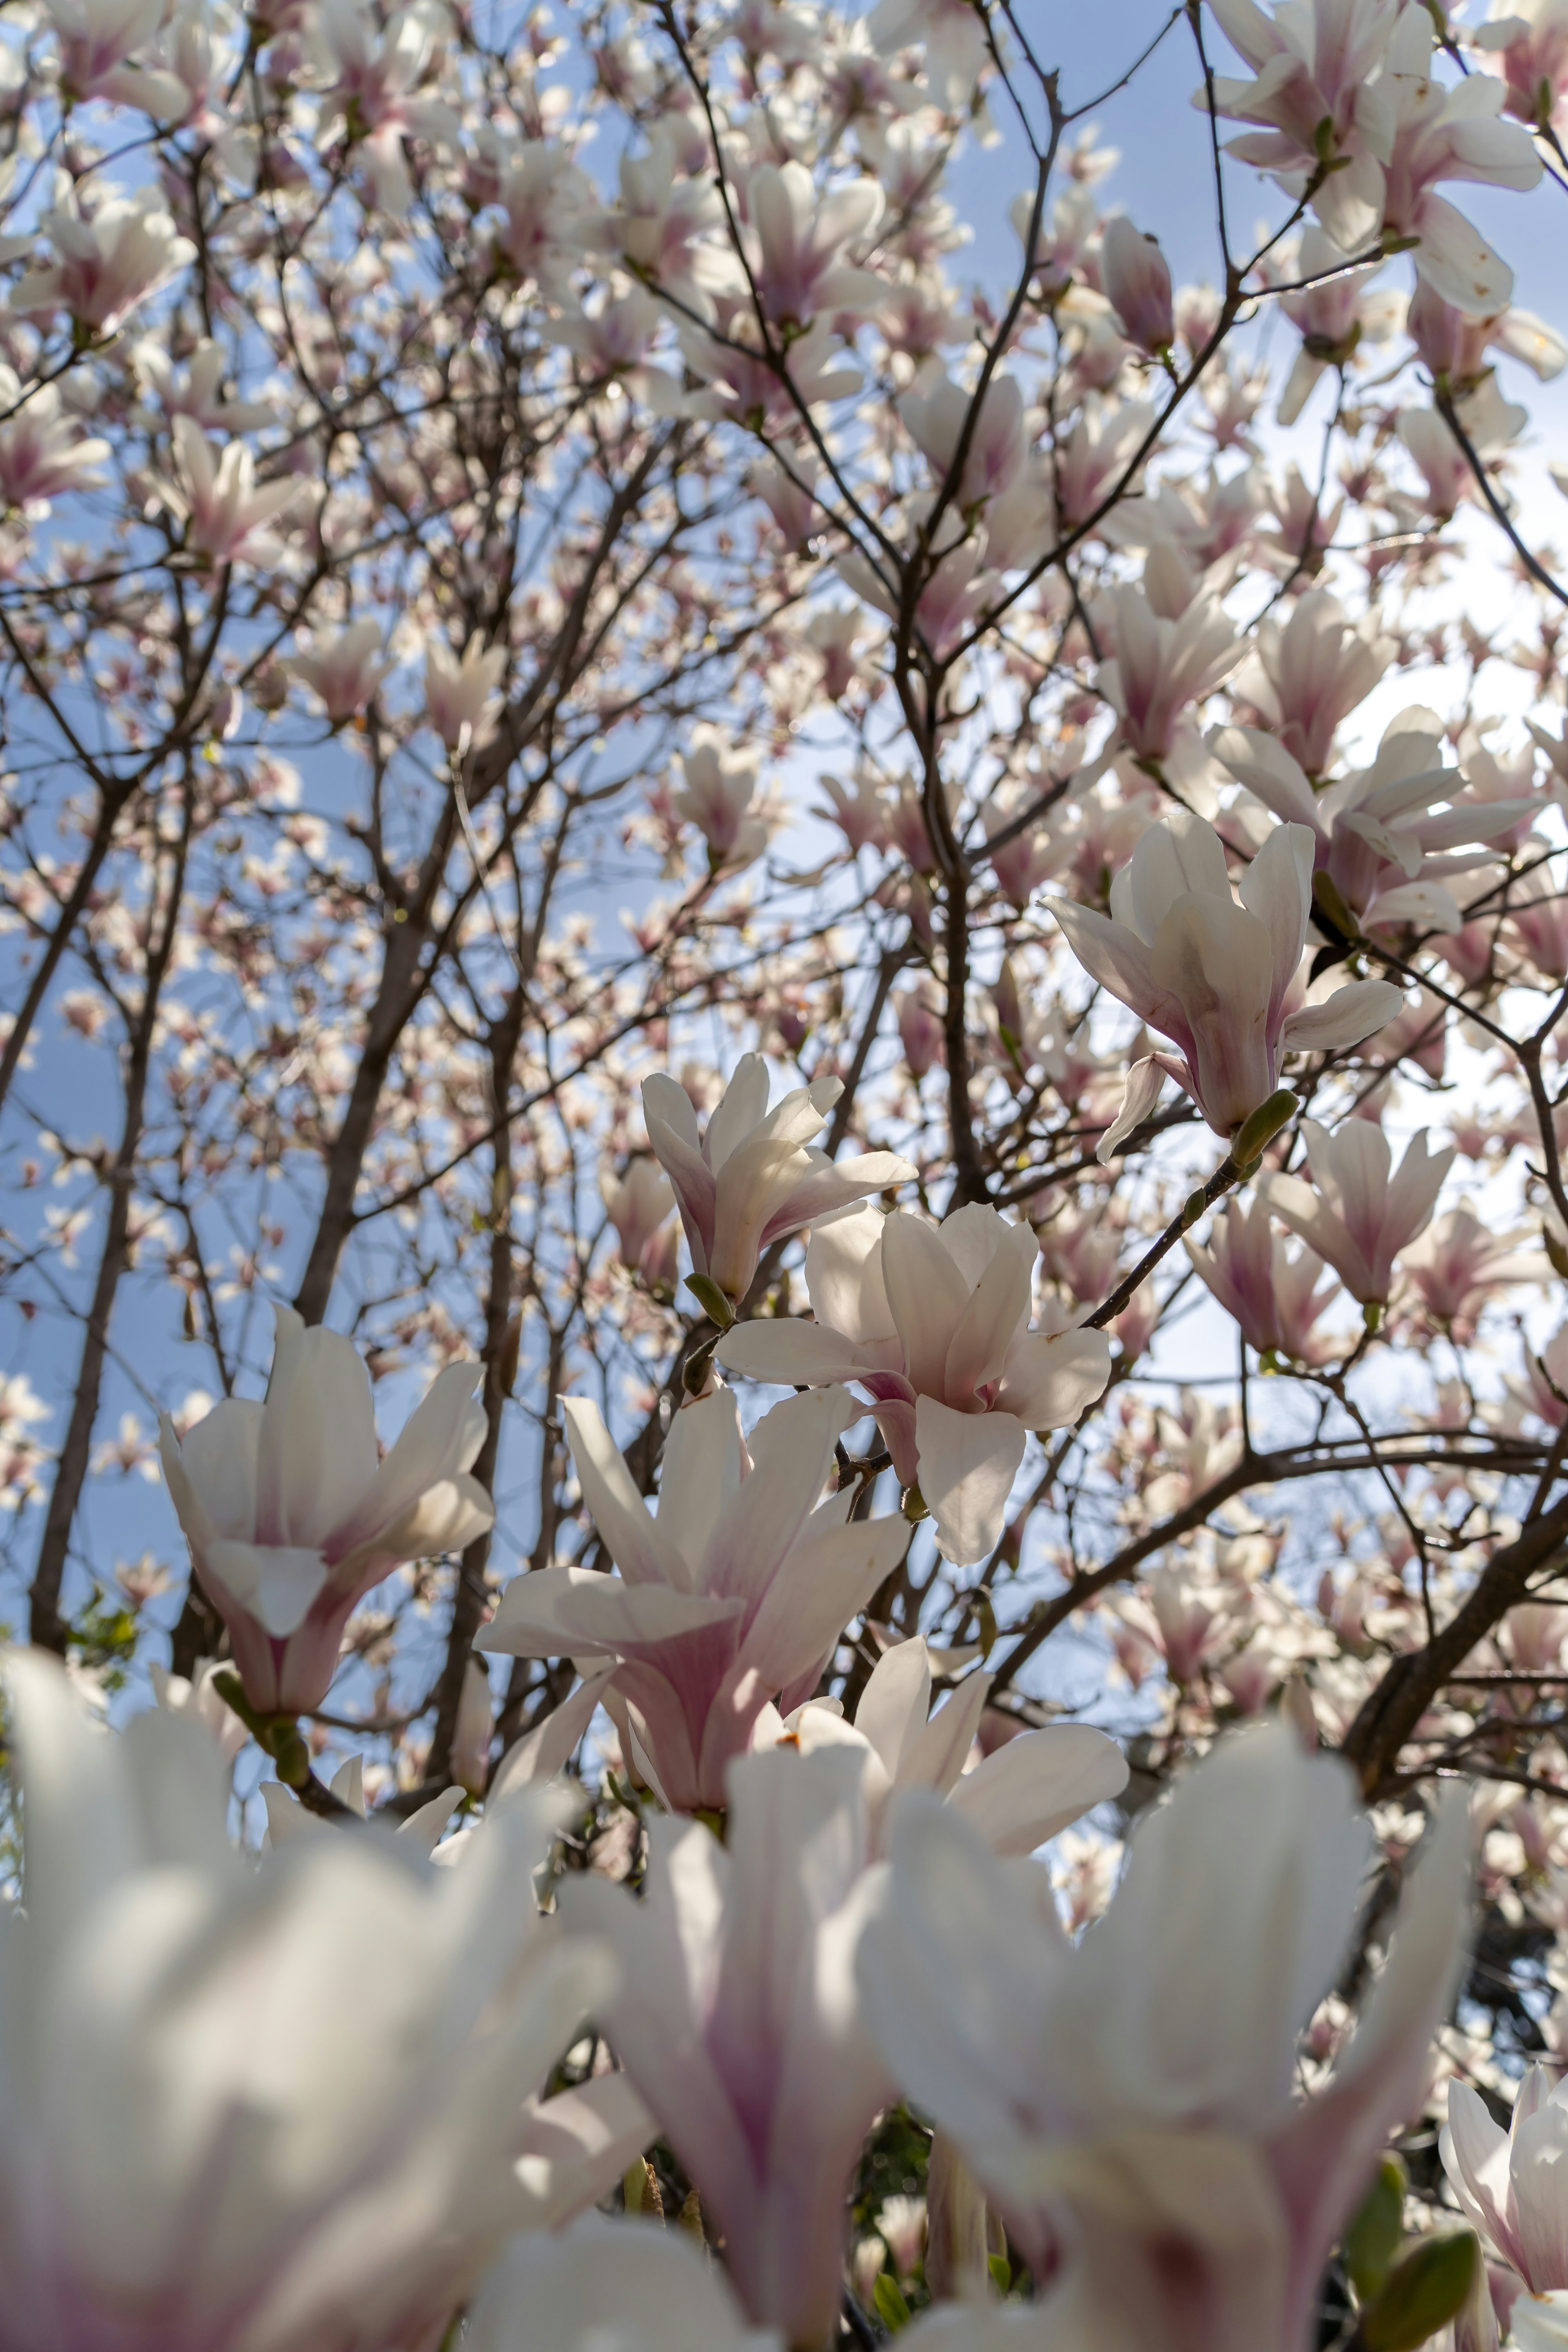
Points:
(1356, 1213)
(932, 1325)
(292, 1514)
(732, 1595)
(274, 2108)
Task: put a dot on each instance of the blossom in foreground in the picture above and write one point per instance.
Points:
(1023, 1793)
(734, 1595)
(754, 1177)
(736, 2018)
(1144, 2076)
(1273, 1296)
(1219, 979)
(1381, 835)
(1357, 1212)
(932, 1325)
(291, 1516)
(1511, 2184)
(275, 2108)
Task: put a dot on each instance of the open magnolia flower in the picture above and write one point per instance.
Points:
(292, 1514)
(1222, 980)
(754, 1177)
(273, 2108)
(1034, 1785)
(1511, 2184)
(1386, 836)
(1361, 1215)
(932, 1325)
(734, 1595)
(1146, 2075)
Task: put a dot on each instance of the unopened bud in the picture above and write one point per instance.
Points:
(1335, 916)
(1373, 2238)
(1259, 1127)
(711, 1299)
(914, 1506)
(1422, 2294)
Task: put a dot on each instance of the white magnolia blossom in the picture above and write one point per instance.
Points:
(1357, 1214)
(269, 2110)
(291, 1513)
(933, 1326)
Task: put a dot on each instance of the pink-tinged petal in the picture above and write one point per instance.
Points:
(1263, 764)
(1179, 855)
(563, 1612)
(671, 1126)
(1038, 1784)
(844, 1274)
(968, 1464)
(1110, 954)
(643, 1552)
(928, 1296)
(743, 1107)
(1277, 888)
(275, 1582)
(941, 1751)
(791, 1354)
(1297, 1205)
(989, 1324)
(1538, 2154)
(317, 1452)
(895, 1702)
(826, 1584)
(729, 1722)
(1051, 1377)
(1351, 1014)
(1430, 904)
(1323, 2155)
(792, 1453)
(1216, 961)
(546, 1749)
(212, 1470)
(576, 2146)
(896, 1419)
(1475, 2152)
(1144, 1084)
(832, 1184)
(1413, 1195)
(704, 1459)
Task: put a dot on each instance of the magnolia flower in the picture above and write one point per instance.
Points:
(1448, 132)
(541, 193)
(1511, 2184)
(1360, 1215)
(1330, 316)
(932, 1325)
(1273, 1296)
(753, 1177)
(343, 669)
(1143, 2078)
(274, 2108)
(954, 42)
(1136, 280)
(737, 2021)
(1454, 344)
(226, 511)
(290, 1517)
(1530, 39)
(1220, 980)
(798, 238)
(861, 812)
(997, 444)
(44, 453)
(1539, 2323)
(1307, 675)
(610, 2286)
(1164, 663)
(105, 266)
(1017, 1797)
(374, 77)
(198, 389)
(636, 1205)
(1459, 1262)
(735, 1594)
(718, 791)
(95, 39)
(1376, 832)
(461, 702)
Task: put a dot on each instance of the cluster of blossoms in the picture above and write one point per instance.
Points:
(769, 862)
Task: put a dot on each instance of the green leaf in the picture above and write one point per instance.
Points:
(711, 1299)
(1422, 2294)
(1001, 2271)
(888, 2297)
